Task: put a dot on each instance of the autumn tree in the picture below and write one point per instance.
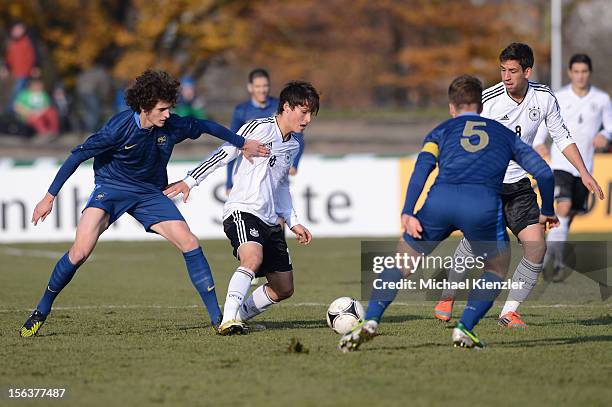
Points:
(179, 35)
(360, 53)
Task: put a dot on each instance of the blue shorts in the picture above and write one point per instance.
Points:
(147, 208)
(474, 210)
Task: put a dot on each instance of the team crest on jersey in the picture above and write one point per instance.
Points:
(534, 114)
(161, 140)
(254, 232)
(268, 145)
(287, 157)
(100, 196)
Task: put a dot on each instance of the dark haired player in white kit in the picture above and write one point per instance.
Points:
(259, 198)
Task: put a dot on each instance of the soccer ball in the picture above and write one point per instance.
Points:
(343, 314)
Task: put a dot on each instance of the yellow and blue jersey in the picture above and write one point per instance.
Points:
(471, 149)
(472, 154)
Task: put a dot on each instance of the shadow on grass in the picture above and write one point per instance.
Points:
(377, 348)
(506, 344)
(42, 335)
(514, 344)
(321, 323)
(293, 324)
(600, 320)
(396, 319)
(187, 327)
(553, 341)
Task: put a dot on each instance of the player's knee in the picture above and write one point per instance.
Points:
(282, 293)
(536, 251)
(188, 243)
(78, 254)
(252, 261)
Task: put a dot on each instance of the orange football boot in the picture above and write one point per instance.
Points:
(511, 320)
(444, 309)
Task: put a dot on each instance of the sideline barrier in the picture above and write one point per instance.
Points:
(349, 196)
(355, 195)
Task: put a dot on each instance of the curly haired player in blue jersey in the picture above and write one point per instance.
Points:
(472, 154)
(131, 153)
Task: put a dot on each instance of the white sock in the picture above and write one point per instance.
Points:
(258, 302)
(463, 250)
(236, 291)
(555, 239)
(527, 273)
(510, 305)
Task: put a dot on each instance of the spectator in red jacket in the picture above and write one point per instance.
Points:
(20, 60)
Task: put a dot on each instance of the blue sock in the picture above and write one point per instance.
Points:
(202, 279)
(381, 298)
(479, 301)
(60, 277)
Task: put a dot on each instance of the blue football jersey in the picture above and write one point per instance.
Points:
(129, 157)
(471, 149)
(247, 111)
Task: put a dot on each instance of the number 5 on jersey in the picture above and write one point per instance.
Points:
(470, 132)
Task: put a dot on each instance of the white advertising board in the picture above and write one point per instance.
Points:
(349, 196)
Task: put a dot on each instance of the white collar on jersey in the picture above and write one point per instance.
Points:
(281, 132)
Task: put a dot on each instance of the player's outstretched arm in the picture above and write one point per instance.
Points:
(43, 208)
(96, 144)
(81, 153)
(250, 148)
(218, 158)
(573, 156)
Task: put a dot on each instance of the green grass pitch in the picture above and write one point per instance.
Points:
(131, 330)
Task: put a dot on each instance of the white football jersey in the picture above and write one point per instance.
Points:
(538, 106)
(584, 117)
(261, 188)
